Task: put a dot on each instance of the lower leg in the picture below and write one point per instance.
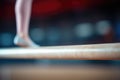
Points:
(23, 12)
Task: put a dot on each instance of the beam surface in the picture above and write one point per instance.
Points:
(75, 52)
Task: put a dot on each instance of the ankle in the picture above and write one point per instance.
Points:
(23, 36)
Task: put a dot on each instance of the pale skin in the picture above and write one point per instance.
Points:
(23, 13)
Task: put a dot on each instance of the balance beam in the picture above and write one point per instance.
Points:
(75, 52)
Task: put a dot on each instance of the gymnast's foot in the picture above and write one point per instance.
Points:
(24, 42)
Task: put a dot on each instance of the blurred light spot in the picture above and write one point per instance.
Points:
(53, 34)
(67, 35)
(117, 30)
(103, 27)
(6, 39)
(84, 30)
(37, 34)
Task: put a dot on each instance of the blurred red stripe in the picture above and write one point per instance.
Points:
(50, 7)
(46, 7)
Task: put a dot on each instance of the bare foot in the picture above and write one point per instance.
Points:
(24, 42)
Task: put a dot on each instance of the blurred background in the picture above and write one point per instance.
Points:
(64, 22)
